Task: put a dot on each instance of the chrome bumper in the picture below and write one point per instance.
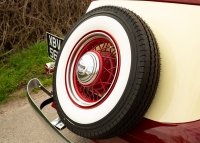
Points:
(35, 83)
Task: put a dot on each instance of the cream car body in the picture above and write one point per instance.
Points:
(176, 28)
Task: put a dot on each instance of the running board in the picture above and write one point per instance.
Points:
(53, 126)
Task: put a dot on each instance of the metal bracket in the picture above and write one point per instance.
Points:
(58, 123)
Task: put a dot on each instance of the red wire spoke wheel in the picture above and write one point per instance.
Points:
(106, 73)
(95, 69)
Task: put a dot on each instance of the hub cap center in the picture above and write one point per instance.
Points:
(88, 68)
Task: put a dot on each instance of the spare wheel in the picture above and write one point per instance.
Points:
(106, 73)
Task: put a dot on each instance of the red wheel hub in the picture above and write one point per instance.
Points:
(96, 67)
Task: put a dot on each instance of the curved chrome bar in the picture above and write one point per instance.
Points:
(35, 83)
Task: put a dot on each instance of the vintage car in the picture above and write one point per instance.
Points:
(128, 68)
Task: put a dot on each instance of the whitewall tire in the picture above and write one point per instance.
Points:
(106, 73)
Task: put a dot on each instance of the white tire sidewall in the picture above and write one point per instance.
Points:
(116, 30)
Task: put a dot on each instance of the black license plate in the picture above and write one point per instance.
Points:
(53, 45)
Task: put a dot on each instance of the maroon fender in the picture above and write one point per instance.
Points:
(149, 131)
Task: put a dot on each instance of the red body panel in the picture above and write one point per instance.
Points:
(154, 132)
(149, 131)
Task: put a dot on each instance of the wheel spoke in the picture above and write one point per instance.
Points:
(108, 71)
(107, 57)
(102, 85)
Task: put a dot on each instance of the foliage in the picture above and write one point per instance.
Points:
(23, 22)
(17, 69)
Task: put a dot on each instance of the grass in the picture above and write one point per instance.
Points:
(18, 68)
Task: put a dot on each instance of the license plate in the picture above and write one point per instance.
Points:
(53, 45)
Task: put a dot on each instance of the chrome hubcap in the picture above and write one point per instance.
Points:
(88, 68)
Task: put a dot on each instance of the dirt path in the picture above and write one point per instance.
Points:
(19, 124)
